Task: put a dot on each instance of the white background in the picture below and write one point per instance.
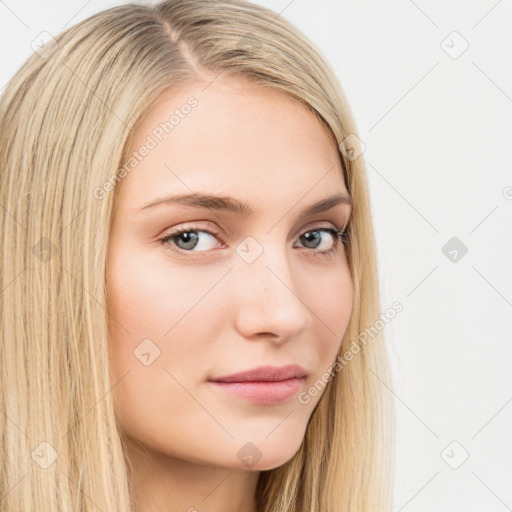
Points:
(438, 134)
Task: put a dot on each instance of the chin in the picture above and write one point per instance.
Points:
(254, 459)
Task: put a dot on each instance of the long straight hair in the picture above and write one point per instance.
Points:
(66, 122)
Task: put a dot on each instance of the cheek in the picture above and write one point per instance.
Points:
(331, 304)
(167, 310)
(330, 296)
(331, 300)
(159, 332)
(148, 296)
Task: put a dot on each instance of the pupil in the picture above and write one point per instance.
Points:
(191, 240)
(311, 235)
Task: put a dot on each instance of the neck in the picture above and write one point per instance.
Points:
(163, 483)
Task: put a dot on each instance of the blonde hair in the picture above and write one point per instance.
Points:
(66, 121)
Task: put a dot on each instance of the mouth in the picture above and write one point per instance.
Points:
(262, 392)
(265, 385)
(265, 374)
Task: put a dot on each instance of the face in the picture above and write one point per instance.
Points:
(201, 291)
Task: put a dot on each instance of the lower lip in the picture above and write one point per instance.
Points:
(263, 392)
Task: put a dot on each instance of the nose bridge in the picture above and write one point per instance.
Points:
(267, 296)
(266, 263)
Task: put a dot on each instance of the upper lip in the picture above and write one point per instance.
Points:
(265, 374)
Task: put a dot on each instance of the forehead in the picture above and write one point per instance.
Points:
(232, 137)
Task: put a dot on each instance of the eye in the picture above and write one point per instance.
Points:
(190, 238)
(337, 239)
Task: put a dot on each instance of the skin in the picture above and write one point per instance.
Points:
(217, 314)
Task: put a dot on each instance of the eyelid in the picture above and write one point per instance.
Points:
(193, 226)
(211, 227)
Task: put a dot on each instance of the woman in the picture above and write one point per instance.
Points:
(184, 201)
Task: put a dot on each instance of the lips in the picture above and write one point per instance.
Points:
(265, 374)
(265, 385)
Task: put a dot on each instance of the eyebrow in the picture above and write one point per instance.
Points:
(231, 204)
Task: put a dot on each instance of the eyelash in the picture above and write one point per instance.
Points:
(338, 234)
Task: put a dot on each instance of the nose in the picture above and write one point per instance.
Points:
(267, 298)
